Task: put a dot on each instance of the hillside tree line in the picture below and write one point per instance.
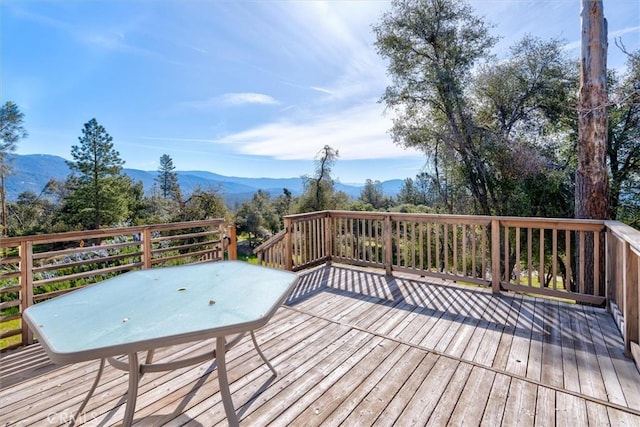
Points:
(499, 137)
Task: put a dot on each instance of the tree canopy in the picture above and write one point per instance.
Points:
(100, 191)
(12, 130)
(489, 128)
(167, 178)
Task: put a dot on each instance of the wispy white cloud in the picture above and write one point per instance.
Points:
(230, 100)
(323, 90)
(358, 132)
(623, 31)
(248, 98)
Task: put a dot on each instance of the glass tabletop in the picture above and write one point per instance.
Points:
(152, 308)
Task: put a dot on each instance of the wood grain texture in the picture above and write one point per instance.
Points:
(355, 347)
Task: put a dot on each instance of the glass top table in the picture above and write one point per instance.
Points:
(147, 309)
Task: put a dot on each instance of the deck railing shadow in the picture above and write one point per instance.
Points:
(457, 303)
(590, 262)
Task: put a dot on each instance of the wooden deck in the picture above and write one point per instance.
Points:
(354, 347)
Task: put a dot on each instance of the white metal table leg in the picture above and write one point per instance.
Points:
(223, 380)
(255, 343)
(132, 393)
(89, 394)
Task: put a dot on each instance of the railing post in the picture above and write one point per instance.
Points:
(630, 290)
(147, 256)
(288, 250)
(233, 243)
(608, 284)
(388, 244)
(635, 345)
(26, 284)
(328, 238)
(495, 256)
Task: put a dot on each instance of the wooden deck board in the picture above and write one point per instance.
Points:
(354, 347)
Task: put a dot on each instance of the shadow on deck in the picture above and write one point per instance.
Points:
(355, 347)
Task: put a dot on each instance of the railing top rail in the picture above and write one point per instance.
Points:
(308, 215)
(90, 234)
(626, 233)
(587, 224)
(272, 241)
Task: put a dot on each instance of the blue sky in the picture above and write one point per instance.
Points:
(239, 88)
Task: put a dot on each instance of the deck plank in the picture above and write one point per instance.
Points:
(424, 402)
(552, 346)
(450, 396)
(338, 402)
(379, 398)
(534, 361)
(518, 357)
(571, 380)
(494, 411)
(472, 401)
(400, 401)
(355, 347)
(545, 407)
(520, 406)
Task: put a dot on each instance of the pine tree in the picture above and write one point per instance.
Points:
(167, 179)
(100, 192)
(11, 131)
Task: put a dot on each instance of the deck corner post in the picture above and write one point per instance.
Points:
(495, 256)
(232, 249)
(288, 248)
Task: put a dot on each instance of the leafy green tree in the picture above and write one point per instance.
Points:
(167, 179)
(30, 214)
(525, 112)
(159, 210)
(432, 47)
(488, 128)
(137, 205)
(203, 204)
(11, 131)
(99, 192)
(408, 193)
(283, 205)
(258, 217)
(623, 150)
(249, 220)
(372, 194)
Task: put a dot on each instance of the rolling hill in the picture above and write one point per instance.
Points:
(32, 172)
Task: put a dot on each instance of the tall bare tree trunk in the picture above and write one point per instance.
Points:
(592, 185)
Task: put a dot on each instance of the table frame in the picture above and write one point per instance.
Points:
(131, 349)
(137, 370)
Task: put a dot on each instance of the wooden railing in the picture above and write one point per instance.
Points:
(563, 258)
(35, 268)
(623, 291)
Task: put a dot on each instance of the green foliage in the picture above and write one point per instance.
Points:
(202, 204)
(373, 195)
(489, 128)
(167, 179)
(623, 150)
(259, 217)
(319, 192)
(30, 214)
(11, 131)
(99, 194)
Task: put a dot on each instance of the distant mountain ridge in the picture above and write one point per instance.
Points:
(31, 172)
